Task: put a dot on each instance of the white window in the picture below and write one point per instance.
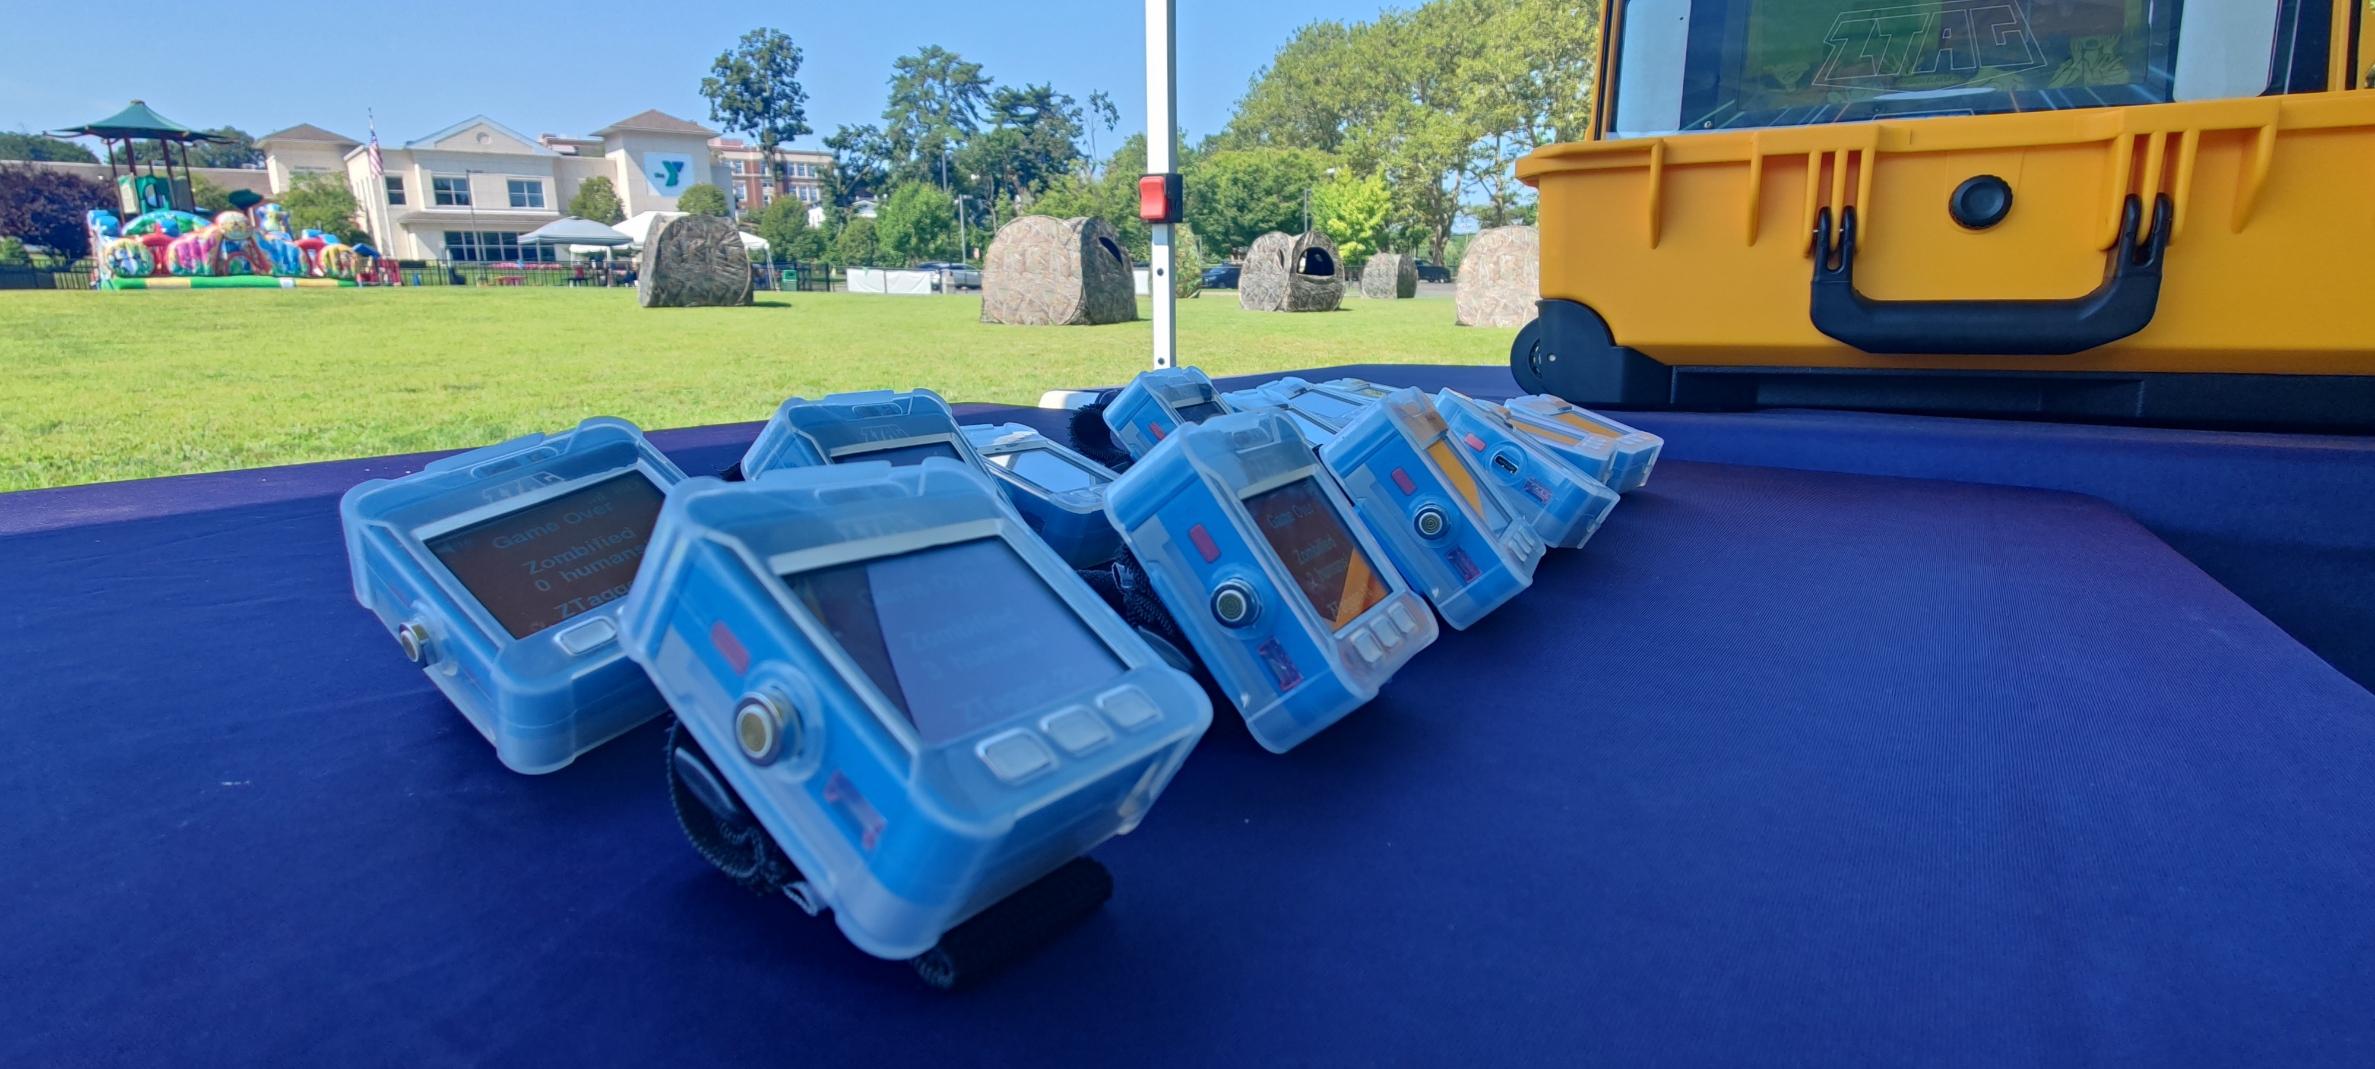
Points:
(492, 246)
(526, 192)
(449, 190)
(395, 187)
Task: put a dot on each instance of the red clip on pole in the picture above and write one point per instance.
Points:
(1159, 198)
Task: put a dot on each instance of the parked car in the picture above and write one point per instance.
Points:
(1221, 277)
(965, 276)
(1429, 271)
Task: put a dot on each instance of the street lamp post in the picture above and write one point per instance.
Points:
(478, 238)
(962, 247)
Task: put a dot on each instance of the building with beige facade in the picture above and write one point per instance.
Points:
(469, 191)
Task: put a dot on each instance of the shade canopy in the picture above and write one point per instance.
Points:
(140, 121)
(571, 230)
(639, 226)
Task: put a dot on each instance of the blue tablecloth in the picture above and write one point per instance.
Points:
(1788, 766)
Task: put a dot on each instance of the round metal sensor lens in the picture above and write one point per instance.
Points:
(1430, 521)
(758, 727)
(1233, 604)
(413, 639)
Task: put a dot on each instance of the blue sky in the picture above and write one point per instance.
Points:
(421, 66)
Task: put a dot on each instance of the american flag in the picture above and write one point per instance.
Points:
(379, 166)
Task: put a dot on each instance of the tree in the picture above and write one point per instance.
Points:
(1034, 136)
(239, 151)
(812, 243)
(39, 206)
(597, 199)
(1439, 101)
(1236, 196)
(701, 198)
(209, 197)
(37, 147)
(323, 202)
(855, 246)
(1353, 212)
(935, 105)
(861, 164)
(784, 224)
(754, 88)
(1101, 110)
(918, 222)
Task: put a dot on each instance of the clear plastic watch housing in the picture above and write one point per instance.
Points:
(1159, 402)
(916, 699)
(1609, 451)
(1565, 505)
(1260, 400)
(897, 426)
(1060, 494)
(1444, 529)
(1358, 388)
(1253, 548)
(501, 572)
(1315, 403)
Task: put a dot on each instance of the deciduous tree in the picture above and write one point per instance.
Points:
(754, 88)
(861, 164)
(37, 147)
(237, 150)
(597, 199)
(43, 207)
(918, 222)
(856, 246)
(1353, 212)
(701, 198)
(935, 104)
(323, 202)
(1236, 196)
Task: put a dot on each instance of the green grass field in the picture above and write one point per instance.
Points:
(101, 386)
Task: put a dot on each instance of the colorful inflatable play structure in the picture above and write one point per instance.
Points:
(172, 249)
(153, 240)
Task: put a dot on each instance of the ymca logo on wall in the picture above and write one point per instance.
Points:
(668, 172)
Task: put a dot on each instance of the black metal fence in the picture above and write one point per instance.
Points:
(46, 274)
(781, 275)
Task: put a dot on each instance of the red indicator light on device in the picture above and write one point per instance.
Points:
(1205, 546)
(1474, 442)
(1156, 429)
(1402, 479)
(729, 646)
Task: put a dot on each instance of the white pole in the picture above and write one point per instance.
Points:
(1162, 137)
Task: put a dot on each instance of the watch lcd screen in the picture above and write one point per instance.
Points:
(957, 637)
(557, 558)
(1047, 470)
(1199, 412)
(1303, 528)
(901, 455)
(1334, 411)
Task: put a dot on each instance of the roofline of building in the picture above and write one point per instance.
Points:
(426, 143)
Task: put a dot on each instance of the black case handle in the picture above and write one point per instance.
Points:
(2121, 306)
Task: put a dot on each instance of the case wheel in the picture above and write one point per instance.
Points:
(1569, 351)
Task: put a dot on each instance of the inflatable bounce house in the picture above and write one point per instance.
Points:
(168, 248)
(155, 240)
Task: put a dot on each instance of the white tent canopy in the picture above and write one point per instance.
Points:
(639, 226)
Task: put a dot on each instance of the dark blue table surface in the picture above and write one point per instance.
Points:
(1786, 767)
